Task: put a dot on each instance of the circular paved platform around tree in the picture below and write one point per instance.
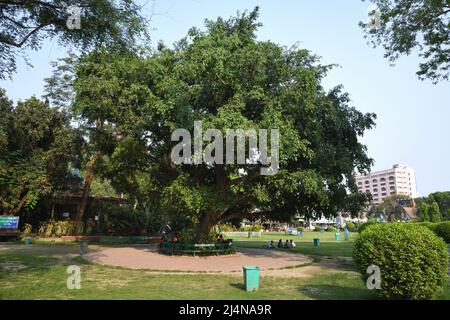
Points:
(149, 258)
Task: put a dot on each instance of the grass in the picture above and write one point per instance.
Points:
(45, 278)
(331, 249)
(328, 245)
(308, 237)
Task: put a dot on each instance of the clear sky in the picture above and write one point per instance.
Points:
(413, 125)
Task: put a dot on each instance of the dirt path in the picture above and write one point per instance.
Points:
(271, 263)
(149, 258)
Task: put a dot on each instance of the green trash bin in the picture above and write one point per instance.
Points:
(83, 247)
(27, 240)
(316, 242)
(251, 278)
(337, 236)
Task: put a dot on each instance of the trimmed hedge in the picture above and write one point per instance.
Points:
(429, 225)
(442, 229)
(412, 259)
(365, 225)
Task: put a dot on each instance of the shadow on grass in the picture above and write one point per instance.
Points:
(238, 285)
(336, 292)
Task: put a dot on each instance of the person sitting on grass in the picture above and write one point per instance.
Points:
(292, 244)
(270, 245)
(286, 244)
(280, 244)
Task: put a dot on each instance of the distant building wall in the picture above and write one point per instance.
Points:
(399, 180)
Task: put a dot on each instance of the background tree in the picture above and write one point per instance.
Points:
(226, 78)
(442, 199)
(434, 213)
(407, 25)
(38, 147)
(423, 213)
(391, 210)
(24, 24)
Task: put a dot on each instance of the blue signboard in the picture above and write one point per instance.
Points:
(9, 222)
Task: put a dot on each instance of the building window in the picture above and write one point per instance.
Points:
(374, 180)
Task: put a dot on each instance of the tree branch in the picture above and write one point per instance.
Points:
(20, 44)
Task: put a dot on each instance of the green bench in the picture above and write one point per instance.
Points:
(197, 248)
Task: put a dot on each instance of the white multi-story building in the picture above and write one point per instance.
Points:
(400, 180)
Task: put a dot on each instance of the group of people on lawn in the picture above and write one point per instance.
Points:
(289, 244)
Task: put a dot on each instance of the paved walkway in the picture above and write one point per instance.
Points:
(149, 258)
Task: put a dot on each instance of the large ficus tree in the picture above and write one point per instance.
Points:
(25, 24)
(227, 79)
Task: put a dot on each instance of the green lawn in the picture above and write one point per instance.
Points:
(44, 277)
(332, 249)
(308, 236)
(328, 245)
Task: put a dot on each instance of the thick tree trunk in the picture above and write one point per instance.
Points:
(203, 227)
(206, 223)
(85, 193)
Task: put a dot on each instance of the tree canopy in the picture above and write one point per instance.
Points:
(407, 25)
(435, 207)
(226, 78)
(38, 147)
(24, 24)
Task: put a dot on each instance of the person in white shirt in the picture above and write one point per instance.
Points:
(269, 245)
(292, 244)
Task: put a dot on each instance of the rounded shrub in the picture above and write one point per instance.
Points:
(442, 229)
(365, 225)
(413, 261)
(331, 229)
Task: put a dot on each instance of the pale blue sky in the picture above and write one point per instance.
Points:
(413, 116)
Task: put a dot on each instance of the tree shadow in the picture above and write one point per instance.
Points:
(336, 292)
